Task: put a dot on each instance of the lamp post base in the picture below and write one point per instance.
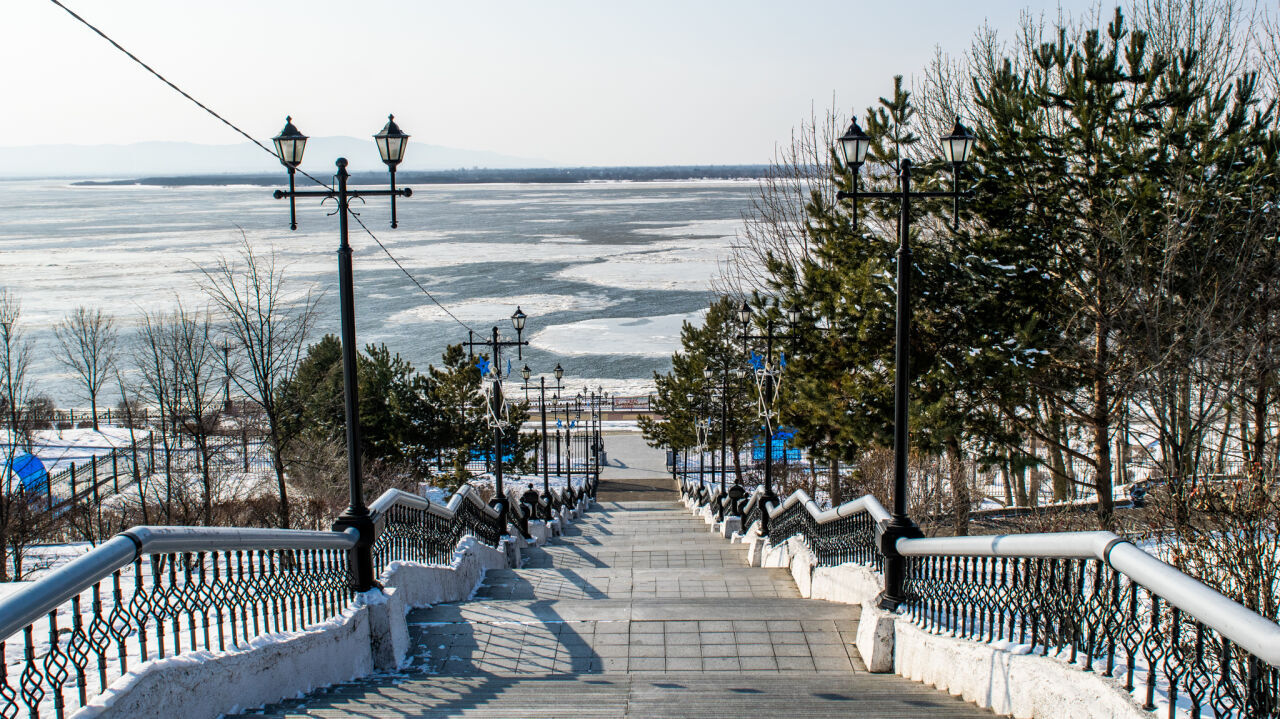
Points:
(895, 565)
(361, 556)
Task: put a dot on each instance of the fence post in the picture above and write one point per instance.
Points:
(151, 452)
(48, 488)
(93, 476)
(244, 447)
(115, 472)
(73, 481)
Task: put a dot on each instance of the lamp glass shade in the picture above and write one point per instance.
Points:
(517, 319)
(744, 314)
(526, 372)
(290, 144)
(957, 146)
(706, 373)
(391, 142)
(559, 371)
(853, 145)
(793, 315)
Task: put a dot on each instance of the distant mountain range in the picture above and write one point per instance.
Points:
(151, 159)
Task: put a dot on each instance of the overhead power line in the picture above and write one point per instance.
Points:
(264, 148)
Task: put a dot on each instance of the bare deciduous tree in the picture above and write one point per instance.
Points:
(269, 324)
(87, 339)
(179, 367)
(16, 524)
(196, 360)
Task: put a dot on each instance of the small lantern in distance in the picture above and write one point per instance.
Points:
(290, 144)
(391, 143)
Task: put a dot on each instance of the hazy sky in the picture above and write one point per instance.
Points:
(575, 82)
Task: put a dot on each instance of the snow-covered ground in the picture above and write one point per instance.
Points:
(58, 448)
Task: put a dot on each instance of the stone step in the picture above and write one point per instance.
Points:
(623, 610)
(692, 695)
(639, 611)
(692, 583)
(711, 558)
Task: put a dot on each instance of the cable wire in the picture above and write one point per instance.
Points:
(265, 149)
(412, 279)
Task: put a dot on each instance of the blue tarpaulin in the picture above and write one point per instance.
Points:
(780, 445)
(31, 472)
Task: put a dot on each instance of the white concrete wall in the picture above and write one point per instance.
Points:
(1021, 685)
(205, 685)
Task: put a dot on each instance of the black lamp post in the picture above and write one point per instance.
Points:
(725, 373)
(852, 147)
(698, 433)
(597, 427)
(226, 374)
(497, 403)
(542, 405)
(289, 146)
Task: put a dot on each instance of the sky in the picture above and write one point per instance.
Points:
(577, 82)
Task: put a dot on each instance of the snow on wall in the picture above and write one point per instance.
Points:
(370, 635)
(205, 685)
(1006, 681)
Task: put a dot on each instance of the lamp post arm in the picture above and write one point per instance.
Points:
(281, 194)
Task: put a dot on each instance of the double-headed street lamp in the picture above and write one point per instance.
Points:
(766, 370)
(526, 373)
(497, 405)
(852, 147)
(290, 145)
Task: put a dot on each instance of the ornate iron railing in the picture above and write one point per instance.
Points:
(154, 592)
(413, 529)
(836, 536)
(1091, 598)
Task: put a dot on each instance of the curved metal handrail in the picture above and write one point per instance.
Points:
(39, 598)
(465, 493)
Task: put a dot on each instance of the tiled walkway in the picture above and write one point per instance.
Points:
(639, 612)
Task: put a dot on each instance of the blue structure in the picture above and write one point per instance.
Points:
(782, 450)
(31, 472)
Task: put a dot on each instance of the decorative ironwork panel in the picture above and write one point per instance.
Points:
(159, 606)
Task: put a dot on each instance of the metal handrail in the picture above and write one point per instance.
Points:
(465, 493)
(1250, 630)
(1246, 628)
(39, 598)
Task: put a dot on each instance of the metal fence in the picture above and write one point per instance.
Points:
(1091, 598)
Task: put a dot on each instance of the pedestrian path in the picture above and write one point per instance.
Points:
(638, 612)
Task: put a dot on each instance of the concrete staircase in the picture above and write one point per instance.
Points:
(638, 612)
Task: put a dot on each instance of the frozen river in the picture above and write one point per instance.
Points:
(607, 272)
